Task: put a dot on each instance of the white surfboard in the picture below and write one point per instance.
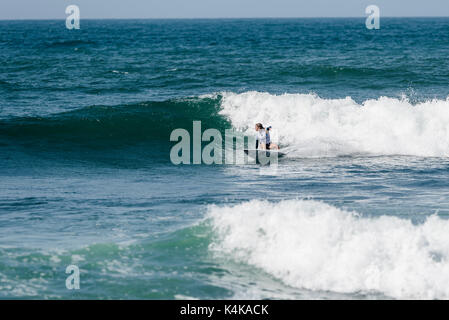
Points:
(255, 153)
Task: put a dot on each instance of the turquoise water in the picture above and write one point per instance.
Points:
(357, 209)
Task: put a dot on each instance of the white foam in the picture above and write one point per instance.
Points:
(312, 245)
(313, 126)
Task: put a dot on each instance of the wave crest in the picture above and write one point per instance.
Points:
(312, 126)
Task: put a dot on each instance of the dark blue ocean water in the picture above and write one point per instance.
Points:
(357, 209)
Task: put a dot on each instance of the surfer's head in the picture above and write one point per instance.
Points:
(259, 126)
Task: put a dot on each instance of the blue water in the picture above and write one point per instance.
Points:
(357, 209)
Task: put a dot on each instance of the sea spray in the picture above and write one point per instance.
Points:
(314, 126)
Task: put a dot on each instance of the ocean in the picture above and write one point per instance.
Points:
(357, 209)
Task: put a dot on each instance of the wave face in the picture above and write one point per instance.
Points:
(312, 245)
(112, 126)
(312, 126)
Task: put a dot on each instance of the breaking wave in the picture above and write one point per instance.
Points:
(311, 126)
(312, 245)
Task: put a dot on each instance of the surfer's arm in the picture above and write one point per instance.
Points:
(274, 146)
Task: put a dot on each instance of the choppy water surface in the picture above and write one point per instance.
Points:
(357, 209)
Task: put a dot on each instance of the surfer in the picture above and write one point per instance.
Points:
(263, 138)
